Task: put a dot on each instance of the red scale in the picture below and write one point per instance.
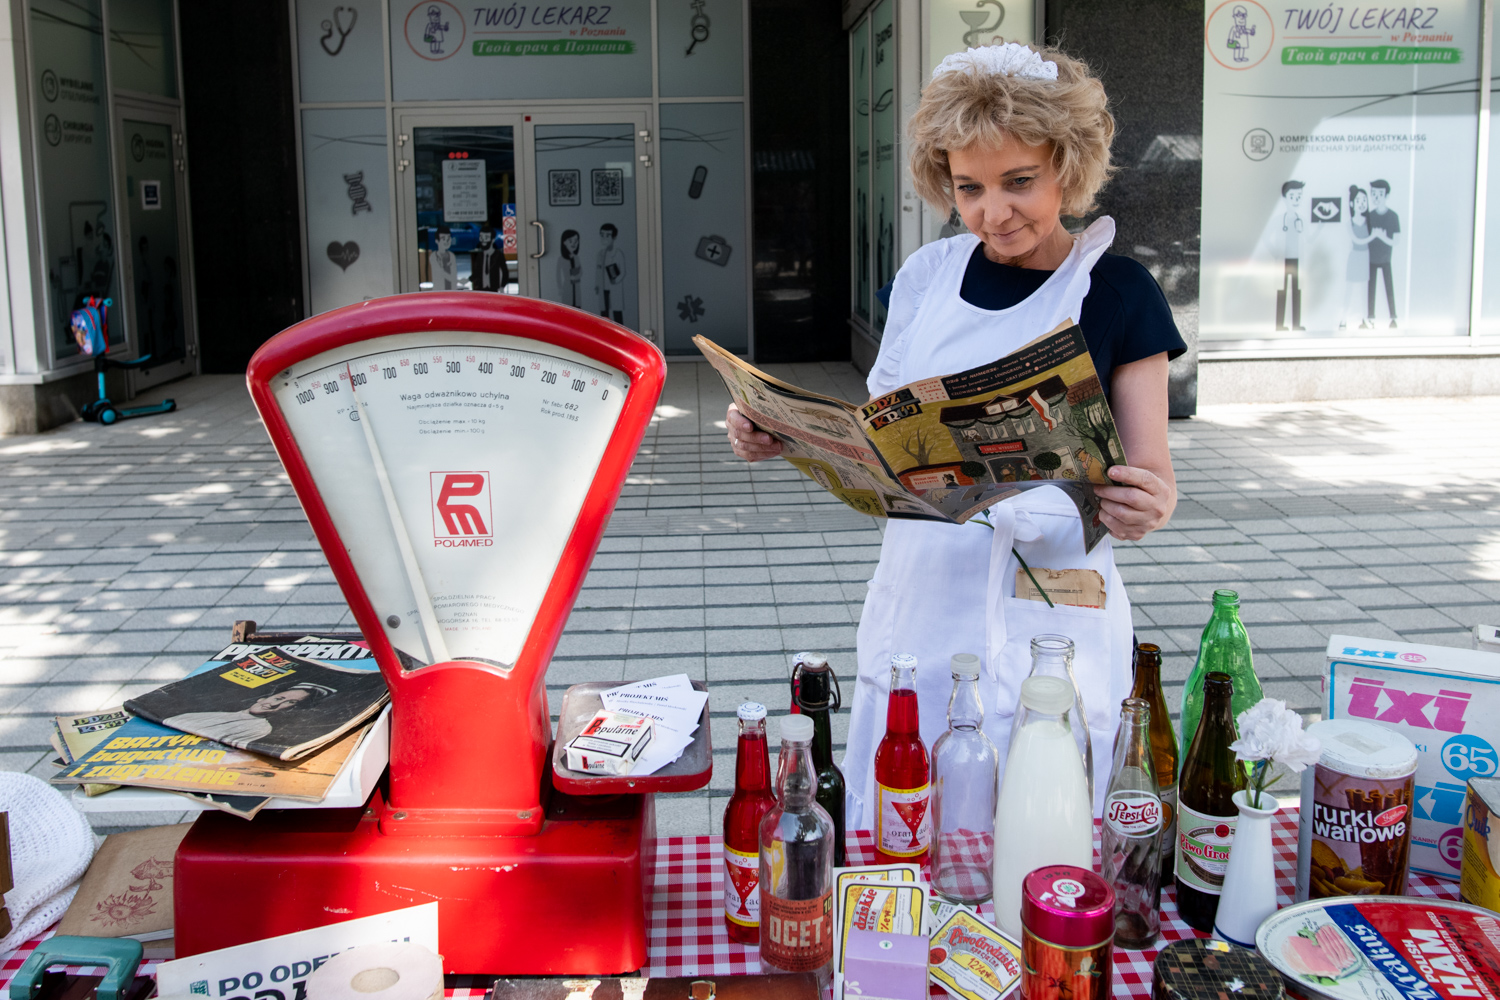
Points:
(458, 456)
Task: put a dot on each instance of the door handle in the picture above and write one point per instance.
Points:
(541, 233)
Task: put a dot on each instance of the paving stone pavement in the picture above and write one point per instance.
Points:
(127, 551)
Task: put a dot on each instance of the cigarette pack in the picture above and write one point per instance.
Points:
(1445, 701)
(610, 744)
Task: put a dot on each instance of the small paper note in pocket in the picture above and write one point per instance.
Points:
(1079, 588)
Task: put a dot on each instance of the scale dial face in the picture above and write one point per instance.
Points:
(454, 466)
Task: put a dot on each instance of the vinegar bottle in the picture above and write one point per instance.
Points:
(796, 864)
(1045, 815)
(903, 773)
(1206, 813)
(751, 800)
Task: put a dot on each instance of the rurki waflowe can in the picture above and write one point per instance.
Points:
(1067, 934)
(1354, 831)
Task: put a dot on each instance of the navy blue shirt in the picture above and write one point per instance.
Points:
(1125, 316)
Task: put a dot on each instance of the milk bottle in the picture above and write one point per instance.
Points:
(1044, 815)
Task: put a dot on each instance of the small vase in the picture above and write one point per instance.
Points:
(1249, 895)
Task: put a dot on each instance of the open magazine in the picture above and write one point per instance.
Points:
(946, 448)
(271, 702)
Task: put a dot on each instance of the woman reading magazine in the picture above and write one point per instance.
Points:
(1015, 138)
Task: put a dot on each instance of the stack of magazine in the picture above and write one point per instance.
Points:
(254, 723)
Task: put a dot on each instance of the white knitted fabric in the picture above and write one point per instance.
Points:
(1009, 59)
(51, 845)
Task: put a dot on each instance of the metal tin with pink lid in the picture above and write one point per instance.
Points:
(1068, 934)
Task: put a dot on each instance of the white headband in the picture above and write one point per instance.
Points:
(1009, 59)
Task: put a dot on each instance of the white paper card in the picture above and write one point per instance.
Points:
(284, 963)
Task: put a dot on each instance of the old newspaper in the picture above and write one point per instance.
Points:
(946, 448)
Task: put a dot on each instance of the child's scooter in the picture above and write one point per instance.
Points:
(91, 332)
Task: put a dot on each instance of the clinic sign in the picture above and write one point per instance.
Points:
(553, 50)
(1338, 170)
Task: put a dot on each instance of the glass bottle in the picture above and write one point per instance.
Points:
(796, 864)
(748, 805)
(1052, 656)
(797, 660)
(1130, 842)
(1164, 749)
(1044, 815)
(1206, 813)
(817, 696)
(965, 773)
(903, 826)
(1224, 647)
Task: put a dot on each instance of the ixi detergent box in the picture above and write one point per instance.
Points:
(1447, 702)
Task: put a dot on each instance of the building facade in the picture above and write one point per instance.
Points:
(1313, 198)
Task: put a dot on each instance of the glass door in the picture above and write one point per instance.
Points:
(153, 244)
(590, 243)
(459, 183)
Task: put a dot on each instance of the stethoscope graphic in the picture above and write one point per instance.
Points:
(337, 24)
(700, 23)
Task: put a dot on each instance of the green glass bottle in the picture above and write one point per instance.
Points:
(1224, 648)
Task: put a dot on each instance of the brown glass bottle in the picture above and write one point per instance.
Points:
(1164, 753)
(1206, 813)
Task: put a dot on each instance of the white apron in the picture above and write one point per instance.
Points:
(941, 589)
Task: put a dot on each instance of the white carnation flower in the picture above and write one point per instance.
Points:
(1009, 59)
(1270, 731)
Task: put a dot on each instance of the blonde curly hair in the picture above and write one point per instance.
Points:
(972, 107)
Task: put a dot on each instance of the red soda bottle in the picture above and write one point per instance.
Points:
(903, 773)
(751, 799)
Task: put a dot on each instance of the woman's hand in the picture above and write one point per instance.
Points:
(1141, 503)
(748, 443)
(1145, 493)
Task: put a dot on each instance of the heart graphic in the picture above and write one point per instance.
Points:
(343, 254)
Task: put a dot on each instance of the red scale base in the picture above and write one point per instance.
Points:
(573, 899)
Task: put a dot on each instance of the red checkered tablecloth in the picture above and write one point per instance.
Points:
(687, 935)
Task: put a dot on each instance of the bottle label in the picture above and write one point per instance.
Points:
(1203, 848)
(1133, 812)
(798, 936)
(741, 880)
(903, 823)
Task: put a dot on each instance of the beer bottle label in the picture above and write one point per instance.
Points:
(903, 823)
(1203, 848)
(1132, 812)
(741, 882)
(798, 936)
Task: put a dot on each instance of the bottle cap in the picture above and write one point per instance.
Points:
(752, 711)
(904, 660)
(1366, 749)
(965, 665)
(813, 661)
(1066, 905)
(797, 727)
(1051, 695)
(800, 658)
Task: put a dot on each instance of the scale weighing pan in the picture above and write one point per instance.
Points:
(458, 456)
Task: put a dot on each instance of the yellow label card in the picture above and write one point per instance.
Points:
(972, 960)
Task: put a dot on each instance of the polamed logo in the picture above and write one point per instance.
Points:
(435, 29)
(1239, 34)
(462, 516)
